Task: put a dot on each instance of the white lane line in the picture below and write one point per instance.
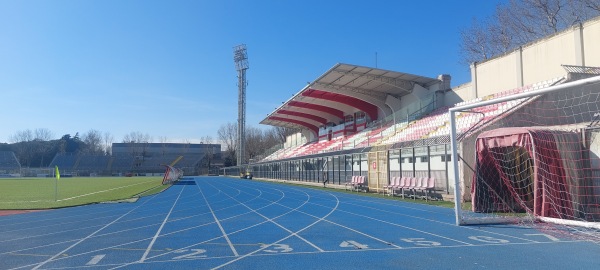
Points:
(206, 224)
(96, 259)
(160, 228)
(219, 223)
(402, 226)
(444, 223)
(277, 224)
(337, 224)
(87, 237)
(143, 239)
(283, 239)
(101, 191)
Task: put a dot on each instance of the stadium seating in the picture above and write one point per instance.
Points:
(434, 124)
(9, 163)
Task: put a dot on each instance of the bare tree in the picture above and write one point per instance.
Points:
(93, 142)
(163, 142)
(209, 151)
(592, 4)
(516, 23)
(23, 148)
(475, 43)
(108, 140)
(42, 134)
(283, 132)
(138, 142)
(227, 136)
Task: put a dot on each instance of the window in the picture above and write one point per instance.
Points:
(424, 159)
(446, 158)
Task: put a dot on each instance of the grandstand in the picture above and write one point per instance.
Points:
(9, 164)
(393, 128)
(140, 159)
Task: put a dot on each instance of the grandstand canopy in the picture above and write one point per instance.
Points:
(343, 90)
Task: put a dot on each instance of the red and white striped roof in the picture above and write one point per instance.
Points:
(343, 90)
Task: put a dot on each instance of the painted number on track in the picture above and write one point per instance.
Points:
(544, 235)
(353, 244)
(276, 248)
(421, 242)
(190, 254)
(488, 239)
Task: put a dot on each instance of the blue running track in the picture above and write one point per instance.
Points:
(226, 223)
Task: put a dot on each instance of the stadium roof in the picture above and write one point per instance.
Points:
(342, 90)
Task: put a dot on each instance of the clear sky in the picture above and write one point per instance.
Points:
(166, 68)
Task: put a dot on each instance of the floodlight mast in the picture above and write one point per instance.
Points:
(240, 56)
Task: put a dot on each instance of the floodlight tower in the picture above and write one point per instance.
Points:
(240, 56)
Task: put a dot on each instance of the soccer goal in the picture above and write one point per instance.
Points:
(529, 155)
(172, 175)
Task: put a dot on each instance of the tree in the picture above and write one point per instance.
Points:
(516, 23)
(282, 133)
(107, 143)
(93, 142)
(227, 136)
(138, 142)
(23, 148)
(209, 151)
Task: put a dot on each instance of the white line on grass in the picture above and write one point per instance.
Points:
(160, 228)
(144, 239)
(101, 191)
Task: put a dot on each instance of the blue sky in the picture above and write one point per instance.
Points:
(166, 68)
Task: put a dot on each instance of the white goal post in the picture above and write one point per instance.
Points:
(562, 112)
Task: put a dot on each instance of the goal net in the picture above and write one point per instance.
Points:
(530, 156)
(172, 175)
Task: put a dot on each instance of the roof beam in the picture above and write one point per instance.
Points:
(335, 112)
(362, 105)
(304, 115)
(398, 83)
(314, 128)
(358, 90)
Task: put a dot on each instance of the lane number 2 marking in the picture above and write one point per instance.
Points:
(193, 254)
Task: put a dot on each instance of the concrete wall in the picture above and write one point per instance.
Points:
(591, 43)
(543, 60)
(459, 94)
(537, 61)
(497, 75)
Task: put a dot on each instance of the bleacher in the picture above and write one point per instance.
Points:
(9, 164)
(433, 124)
(65, 161)
(92, 162)
(104, 164)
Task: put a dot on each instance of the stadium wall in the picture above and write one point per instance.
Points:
(538, 61)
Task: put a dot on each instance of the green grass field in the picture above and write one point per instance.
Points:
(39, 193)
